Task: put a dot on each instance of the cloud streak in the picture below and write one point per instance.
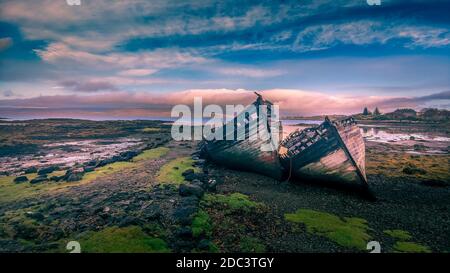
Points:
(91, 86)
(365, 32)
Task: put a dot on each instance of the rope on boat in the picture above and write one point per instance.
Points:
(290, 170)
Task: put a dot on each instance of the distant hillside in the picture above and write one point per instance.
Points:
(427, 114)
(321, 117)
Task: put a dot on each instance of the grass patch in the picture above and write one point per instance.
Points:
(252, 245)
(347, 232)
(155, 230)
(399, 234)
(201, 224)
(151, 130)
(398, 164)
(122, 165)
(231, 203)
(406, 247)
(410, 247)
(12, 192)
(103, 171)
(228, 219)
(171, 172)
(213, 248)
(151, 154)
(122, 240)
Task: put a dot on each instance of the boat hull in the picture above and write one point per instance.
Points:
(246, 156)
(333, 151)
(243, 148)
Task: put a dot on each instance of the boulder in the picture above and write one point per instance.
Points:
(105, 162)
(73, 175)
(411, 169)
(152, 212)
(191, 189)
(57, 178)
(190, 177)
(125, 156)
(204, 244)
(39, 179)
(185, 211)
(35, 215)
(48, 170)
(93, 163)
(20, 179)
(31, 170)
(88, 168)
(129, 221)
(199, 183)
(184, 232)
(187, 172)
(199, 162)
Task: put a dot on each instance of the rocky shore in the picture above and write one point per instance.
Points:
(162, 197)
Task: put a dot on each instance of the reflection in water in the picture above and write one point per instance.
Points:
(379, 135)
(421, 142)
(69, 153)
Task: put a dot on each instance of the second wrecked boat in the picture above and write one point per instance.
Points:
(332, 151)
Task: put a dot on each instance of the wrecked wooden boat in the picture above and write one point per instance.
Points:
(243, 148)
(332, 151)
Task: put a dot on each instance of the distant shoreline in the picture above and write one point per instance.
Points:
(287, 121)
(401, 122)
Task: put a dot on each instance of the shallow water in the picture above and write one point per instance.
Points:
(290, 126)
(430, 142)
(68, 153)
(415, 142)
(380, 135)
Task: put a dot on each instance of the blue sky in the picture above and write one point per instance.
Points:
(123, 53)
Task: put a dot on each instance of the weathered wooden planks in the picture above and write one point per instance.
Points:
(332, 151)
(243, 152)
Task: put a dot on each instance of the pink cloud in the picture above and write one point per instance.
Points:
(291, 102)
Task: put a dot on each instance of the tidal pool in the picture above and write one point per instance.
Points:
(67, 154)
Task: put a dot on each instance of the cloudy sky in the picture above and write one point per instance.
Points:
(137, 58)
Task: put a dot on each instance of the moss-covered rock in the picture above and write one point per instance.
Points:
(234, 202)
(398, 234)
(130, 239)
(173, 170)
(201, 224)
(411, 247)
(347, 232)
(252, 245)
